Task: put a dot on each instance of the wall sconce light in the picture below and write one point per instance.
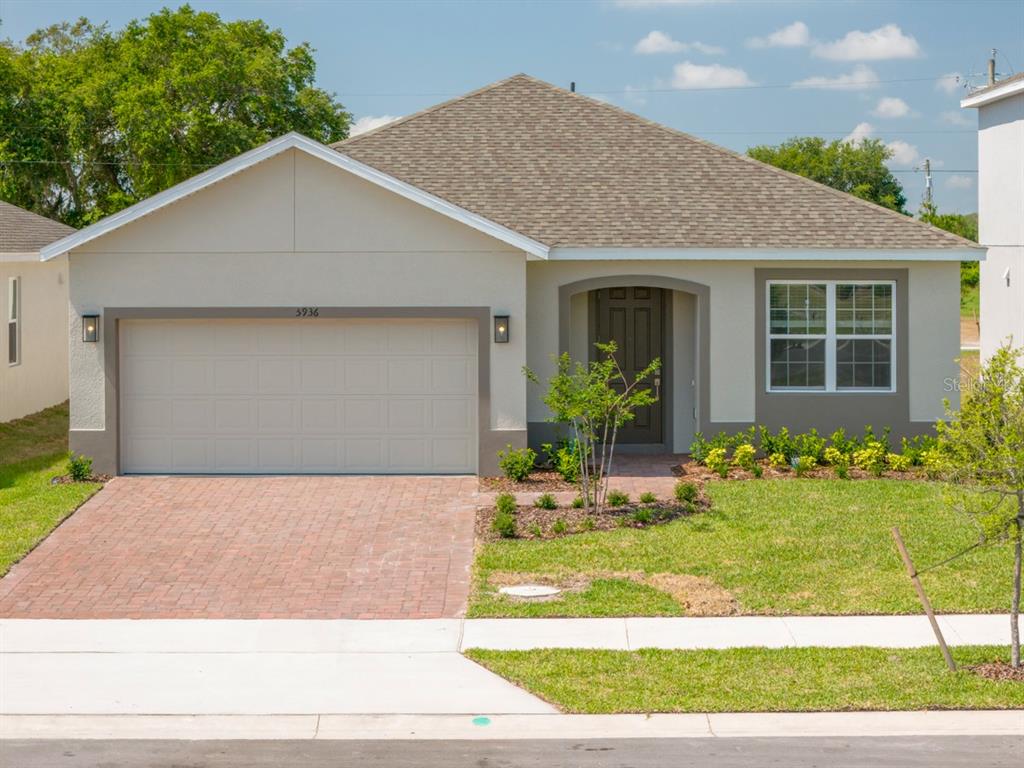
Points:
(90, 328)
(501, 329)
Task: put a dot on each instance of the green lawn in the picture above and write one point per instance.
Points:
(754, 679)
(32, 451)
(970, 300)
(778, 546)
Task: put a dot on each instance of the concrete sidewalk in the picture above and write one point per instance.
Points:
(42, 636)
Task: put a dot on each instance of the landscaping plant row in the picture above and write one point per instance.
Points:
(754, 448)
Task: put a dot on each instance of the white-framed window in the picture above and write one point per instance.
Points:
(831, 336)
(14, 320)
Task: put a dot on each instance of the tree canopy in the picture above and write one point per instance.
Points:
(92, 121)
(855, 167)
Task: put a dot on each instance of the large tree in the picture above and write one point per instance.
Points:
(93, 120)
(855, 167)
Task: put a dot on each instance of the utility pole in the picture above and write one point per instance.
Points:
(928, 181)
(992, 68)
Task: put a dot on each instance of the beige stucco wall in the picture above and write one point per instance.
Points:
(295, 231)
(933, 332)
(41, 378)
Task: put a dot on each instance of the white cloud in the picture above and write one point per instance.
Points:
(891, 107)
(688, 75)
(659, 42)
(950, 82)
(886, 42)
(958, 117)
(795, 35)
(369, 122)
(958, 181)
(860, 79)
(902, 152)
(860, 132)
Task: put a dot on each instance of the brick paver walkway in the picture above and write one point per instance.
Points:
(255, 547)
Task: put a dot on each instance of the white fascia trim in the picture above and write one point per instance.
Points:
(14, 256)
(981, 99)
(276, 147)
(766, 254)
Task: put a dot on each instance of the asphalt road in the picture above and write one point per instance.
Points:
(861, 752)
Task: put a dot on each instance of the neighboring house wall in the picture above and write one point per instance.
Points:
(296, 232)
(1001, 221)
(40, 379)
(735, 342)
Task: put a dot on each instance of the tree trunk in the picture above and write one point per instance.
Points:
(1015, 605)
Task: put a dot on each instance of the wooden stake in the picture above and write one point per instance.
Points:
(912, 572)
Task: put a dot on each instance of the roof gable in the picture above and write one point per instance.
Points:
(272, 149)
(572, 172)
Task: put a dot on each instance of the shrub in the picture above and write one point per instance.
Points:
(504, 525)
(845, 445)
(516, 463)
(869, 437)
(804, 464)
(648, 498)
(915, 448)
(506, 503)
(79, 467)
(699, 448)
(871, 457)
(617, 499)
(685, 492)
(810, 444)
(777, 460)
(535, 530)
(780, 442)
(932, 460)
(717, 462)
(587, 524)
(643, 516)
(897, 462)
(578, 503)
(546, 501)
(559, 527)
(840, 461)
(565, 459)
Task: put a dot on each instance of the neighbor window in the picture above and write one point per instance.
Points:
(14, 321)
(831, 336)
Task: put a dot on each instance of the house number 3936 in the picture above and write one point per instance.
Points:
(307, 311)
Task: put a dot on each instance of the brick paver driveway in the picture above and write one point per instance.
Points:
(255, 547)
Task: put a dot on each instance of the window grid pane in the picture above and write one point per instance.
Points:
(797, 309)
(798, 363)
(863, 309)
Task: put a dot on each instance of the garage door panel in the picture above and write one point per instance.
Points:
(309, 395)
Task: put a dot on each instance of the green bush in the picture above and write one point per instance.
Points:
(643, 516)
(578, 503)
(535, 530)
(932, 461)
(840, 461)
(559, 527)
(648, 498)
(871, 457)
(565, 459)
(617, 499)
(699, 448)
(685, 492)
(504, 524)
(845, 445)
(915, 448)
(506, 502)
(779, 443)
(810, 443)
(717, 462)
(79, 467)
(804, 464)
(777, 460)
(516, 463)
(546, 501)
(587, 524)
(897, 462)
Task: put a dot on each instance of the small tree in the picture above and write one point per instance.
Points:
(982, 448)
(595, 400)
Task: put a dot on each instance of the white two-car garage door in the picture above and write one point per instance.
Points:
(316, 395)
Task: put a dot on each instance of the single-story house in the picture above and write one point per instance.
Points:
(1000, 106)
(34, 311)
(369, 307)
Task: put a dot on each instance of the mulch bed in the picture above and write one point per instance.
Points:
(698, 473)
(66, 479)
(529, 519)
(999, 671)
(539, 481)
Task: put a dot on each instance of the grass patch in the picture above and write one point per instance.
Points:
(754, 679)
(809, 546)
(32, 451)
(970, 300)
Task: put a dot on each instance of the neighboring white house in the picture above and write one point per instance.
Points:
(1001, 210)
(369, 307)
(34, 312)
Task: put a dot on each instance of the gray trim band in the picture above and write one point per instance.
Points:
(104, 445)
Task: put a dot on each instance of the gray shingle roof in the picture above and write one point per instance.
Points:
(570, 171)
(22, 231)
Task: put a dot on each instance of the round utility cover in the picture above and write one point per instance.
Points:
(530, 590)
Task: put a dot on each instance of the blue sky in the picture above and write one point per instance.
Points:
(721, 70)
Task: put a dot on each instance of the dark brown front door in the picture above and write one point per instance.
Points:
(632, 318)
